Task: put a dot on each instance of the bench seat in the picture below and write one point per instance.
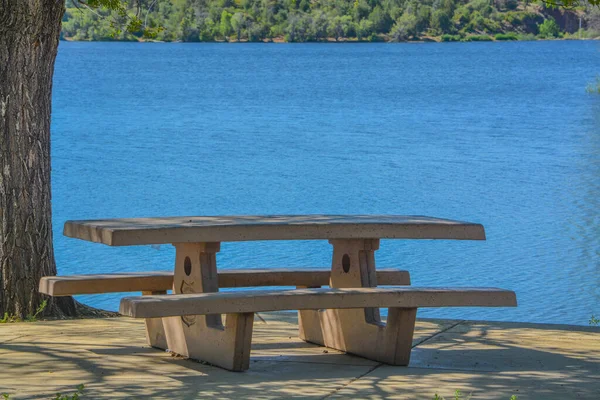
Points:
(346, 324)
(312, 299)
(156, 281)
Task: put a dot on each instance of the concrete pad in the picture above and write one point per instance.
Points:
(8, 338)
(110, 358)
(491, 360)
(275, 345)
(487, 346)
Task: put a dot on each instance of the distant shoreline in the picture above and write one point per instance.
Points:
(343, 40)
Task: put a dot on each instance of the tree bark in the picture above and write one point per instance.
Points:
(29, 35)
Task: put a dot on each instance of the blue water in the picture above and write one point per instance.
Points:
(498, 133)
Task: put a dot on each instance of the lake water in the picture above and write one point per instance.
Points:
(498, 133)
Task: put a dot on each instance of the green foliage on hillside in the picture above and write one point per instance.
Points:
(549, 29)
(321, 20)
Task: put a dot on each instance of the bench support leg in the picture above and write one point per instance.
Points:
(309, 326)
(359, 331)
(155, 331)
(204, 337)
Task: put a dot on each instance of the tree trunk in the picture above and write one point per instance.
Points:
(29, 35)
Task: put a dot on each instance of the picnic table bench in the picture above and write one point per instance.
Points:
(344, 316)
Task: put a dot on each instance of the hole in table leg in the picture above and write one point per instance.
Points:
(346, 263)
(187, 266)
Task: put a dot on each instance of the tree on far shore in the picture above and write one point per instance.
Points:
(549, 29)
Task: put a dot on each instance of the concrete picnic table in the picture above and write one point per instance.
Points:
(357, 330)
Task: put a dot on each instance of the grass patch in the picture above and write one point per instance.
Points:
(29, 318)
(459, 396)
(59, 396)
(526, 37)
(74, 396)
(506, 36)
(478, 38)
(450, 38)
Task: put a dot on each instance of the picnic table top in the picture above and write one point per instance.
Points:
(141, 231)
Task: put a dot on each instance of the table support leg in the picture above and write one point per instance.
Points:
(204, 337)
(359, 331)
